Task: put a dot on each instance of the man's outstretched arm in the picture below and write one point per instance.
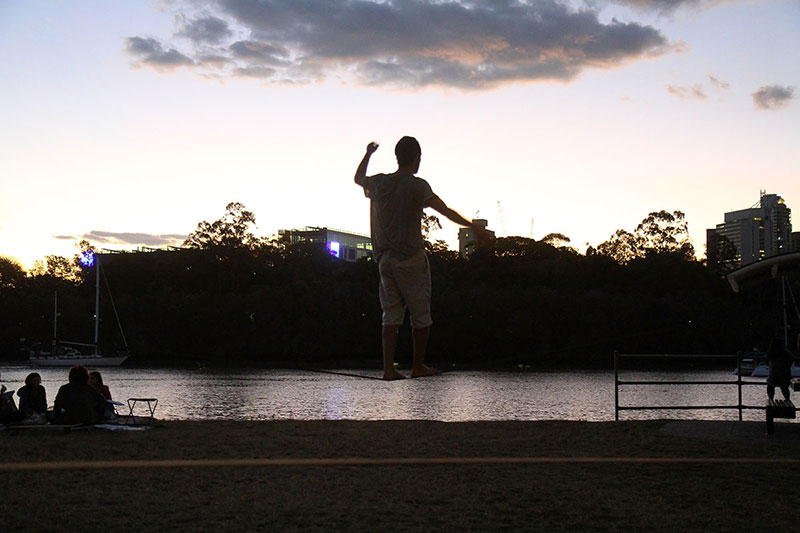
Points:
(436, 203)
(361, 172)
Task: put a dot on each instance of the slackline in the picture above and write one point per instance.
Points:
(336, 373)
(386, 461)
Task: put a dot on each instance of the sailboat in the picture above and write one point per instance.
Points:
(66, 353)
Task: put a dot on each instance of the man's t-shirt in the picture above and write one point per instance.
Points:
(396, 203)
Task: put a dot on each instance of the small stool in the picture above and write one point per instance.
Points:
(152, 403)
(779, 409)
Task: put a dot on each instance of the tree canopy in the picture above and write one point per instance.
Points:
(232, 230)
(233, 298)
(661, 232)
(11, 272)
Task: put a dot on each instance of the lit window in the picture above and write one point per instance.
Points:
(333, 248)
(87, 258)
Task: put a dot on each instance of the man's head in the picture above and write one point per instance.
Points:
(408, 152)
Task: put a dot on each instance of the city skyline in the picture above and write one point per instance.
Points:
(128, 124)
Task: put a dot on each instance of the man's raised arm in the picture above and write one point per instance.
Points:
(361, 172)
(480, 233)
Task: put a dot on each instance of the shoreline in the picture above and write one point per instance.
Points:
(413, 475)
(343, 365)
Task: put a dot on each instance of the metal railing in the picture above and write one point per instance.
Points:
(739, 383)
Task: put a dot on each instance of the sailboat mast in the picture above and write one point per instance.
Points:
(97, 304)
(55, 315)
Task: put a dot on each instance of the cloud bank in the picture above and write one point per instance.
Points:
(773, 96)
(468, 44)
(667, 7)
(126, 238)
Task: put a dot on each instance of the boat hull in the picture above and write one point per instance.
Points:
(85, 360)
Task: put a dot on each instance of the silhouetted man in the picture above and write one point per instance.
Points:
(396, 203)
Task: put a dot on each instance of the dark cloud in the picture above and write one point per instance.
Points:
(455, 43)
(718, 83)
(66, 237)
(255, 72)
(694, 92)
(667, 6)
(144, 239)
(259, 52)
(773, 96)
(209, 30)
(149, 51)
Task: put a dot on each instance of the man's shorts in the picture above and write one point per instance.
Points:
(404, 284)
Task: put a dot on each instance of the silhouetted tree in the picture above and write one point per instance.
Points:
(57, 266)
(663, 232)
(513, 246)
(84, 246)
(233, 230)
(660, 232)
(557, 240)
(11, 272)
(431, 223)
(622, 247)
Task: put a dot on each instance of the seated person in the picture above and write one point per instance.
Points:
(9, 414)
(32, 396)
(77, 402)
(96, 381)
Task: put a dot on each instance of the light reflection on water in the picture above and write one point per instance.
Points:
(454, 396)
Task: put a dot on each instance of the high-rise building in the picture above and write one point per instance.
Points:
(761, 231)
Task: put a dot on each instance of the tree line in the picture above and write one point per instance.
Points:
(229, 297)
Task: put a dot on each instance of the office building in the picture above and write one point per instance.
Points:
(467, 240)
(342, 244)
(761, 231)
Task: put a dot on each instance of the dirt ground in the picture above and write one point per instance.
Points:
(685, 476)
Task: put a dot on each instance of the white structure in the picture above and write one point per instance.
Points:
(466, 237)
(339, 243)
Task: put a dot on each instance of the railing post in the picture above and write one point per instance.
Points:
(739, 380)
(616, 386)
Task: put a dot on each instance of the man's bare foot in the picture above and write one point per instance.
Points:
(393, 375)
(423, 372)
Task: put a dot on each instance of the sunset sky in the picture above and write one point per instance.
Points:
(127, 123)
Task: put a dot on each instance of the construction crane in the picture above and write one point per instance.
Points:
(502, 218)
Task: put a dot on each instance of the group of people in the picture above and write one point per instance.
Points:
(85, 399)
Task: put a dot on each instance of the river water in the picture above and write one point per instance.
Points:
(453, 396)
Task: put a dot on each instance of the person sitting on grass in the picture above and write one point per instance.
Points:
(96, 381)
(9, 414)
(780, 369)
(77, 402)
(33, 397)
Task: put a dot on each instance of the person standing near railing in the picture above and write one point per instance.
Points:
(780, 368)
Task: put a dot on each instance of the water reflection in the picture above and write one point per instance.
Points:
(456, 396)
